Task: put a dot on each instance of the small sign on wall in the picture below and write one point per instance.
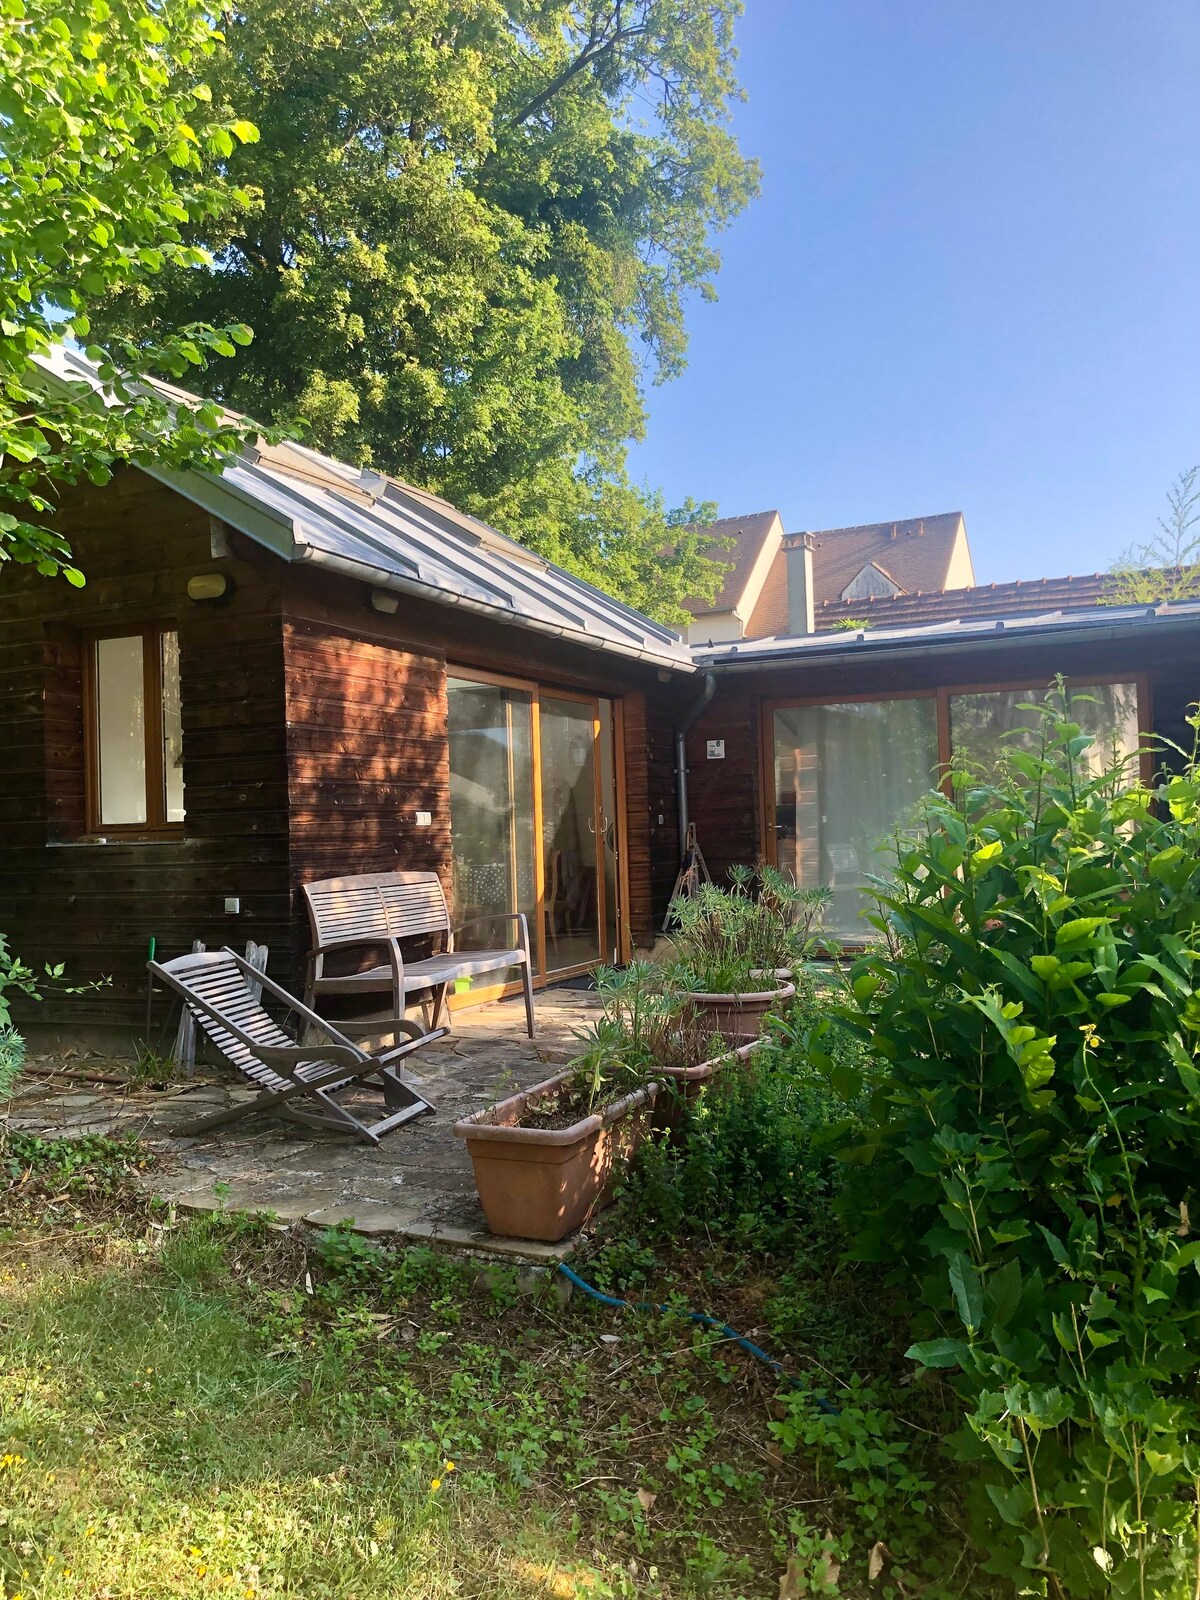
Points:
(716, 749)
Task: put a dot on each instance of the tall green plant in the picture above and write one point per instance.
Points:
(466, 238)
(726, 939)
(1034, 1022)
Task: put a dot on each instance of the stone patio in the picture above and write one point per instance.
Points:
(417, 1184)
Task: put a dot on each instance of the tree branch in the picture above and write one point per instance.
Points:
(600, 43)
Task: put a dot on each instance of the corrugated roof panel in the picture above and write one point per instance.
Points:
(321, 509)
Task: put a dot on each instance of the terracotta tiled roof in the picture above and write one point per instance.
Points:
(915, 553)
(984, 600)
(747, 534)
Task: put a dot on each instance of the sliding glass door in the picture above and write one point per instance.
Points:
(491, 808)
(571, 839)
(533, 815)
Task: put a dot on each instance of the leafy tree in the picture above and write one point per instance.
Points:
(1166, 567)
(471, 230)
(103, 159)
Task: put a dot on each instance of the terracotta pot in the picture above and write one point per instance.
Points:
(684, 1085)
(738, 1016)
(543, 1183)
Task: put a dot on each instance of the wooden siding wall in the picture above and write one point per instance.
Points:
(95, 906)
(723, 795)
(367, 750)
(651, 815)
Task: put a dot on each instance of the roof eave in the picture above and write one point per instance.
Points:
(744, 658)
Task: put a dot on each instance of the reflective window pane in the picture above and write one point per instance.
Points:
(846, 777)
(491, 810)
(121, 730)
(570, 846)
(983, 726)
(172, 728)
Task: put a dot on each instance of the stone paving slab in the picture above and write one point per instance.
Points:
(416, 1185)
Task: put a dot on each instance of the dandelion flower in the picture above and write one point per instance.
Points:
(450, 1467)
(436, 1485)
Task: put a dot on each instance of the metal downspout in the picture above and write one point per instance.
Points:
(681, 784)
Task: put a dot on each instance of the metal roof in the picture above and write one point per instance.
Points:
(1095, 622)
(308, 507)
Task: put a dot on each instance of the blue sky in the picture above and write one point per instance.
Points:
(972, 281)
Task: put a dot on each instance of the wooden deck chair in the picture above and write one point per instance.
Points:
(223, 992)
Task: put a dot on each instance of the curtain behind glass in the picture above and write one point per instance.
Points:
(983, 726)
(846, 776)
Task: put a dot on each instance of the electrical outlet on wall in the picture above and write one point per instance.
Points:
(424, 819)
(233, 906)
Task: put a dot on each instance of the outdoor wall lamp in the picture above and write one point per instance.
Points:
(209, 586)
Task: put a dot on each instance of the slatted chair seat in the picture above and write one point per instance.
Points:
(377, 911)
(223, 993)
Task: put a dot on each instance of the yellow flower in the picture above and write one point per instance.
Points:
(450, 1467)
(193, 1552)
(436, 1485)
(200, 1571)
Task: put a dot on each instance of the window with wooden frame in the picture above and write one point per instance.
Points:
(841, 776)
(134, 732)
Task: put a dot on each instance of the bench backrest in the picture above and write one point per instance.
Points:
(215, 978)
(376, 905)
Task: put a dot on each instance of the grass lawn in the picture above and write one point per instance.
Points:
(215, 1407)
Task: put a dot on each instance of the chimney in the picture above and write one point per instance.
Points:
(798, 552)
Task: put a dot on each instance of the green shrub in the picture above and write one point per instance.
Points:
(756, 1165)
(1034, 1024)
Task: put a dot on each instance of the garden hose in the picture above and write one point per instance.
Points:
(705, 1322)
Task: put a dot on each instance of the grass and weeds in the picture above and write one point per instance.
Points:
(218, 1406)
(215, 1406)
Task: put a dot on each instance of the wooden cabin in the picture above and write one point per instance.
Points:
(297, 670)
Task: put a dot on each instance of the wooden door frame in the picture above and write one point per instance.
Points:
(542, 977)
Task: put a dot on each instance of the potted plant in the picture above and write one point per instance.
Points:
(737, 947)
(546, 1159)
(664, 1034)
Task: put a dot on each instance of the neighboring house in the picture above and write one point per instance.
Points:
(296, 670)
(848, 566)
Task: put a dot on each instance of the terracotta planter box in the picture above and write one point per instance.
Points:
(685, 1085)
(543, 1183)
(739, 1016)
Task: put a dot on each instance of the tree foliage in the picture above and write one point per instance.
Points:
(466, 238)
(104, 152)
(1166, 567)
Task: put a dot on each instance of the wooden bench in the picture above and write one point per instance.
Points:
(377, 911)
